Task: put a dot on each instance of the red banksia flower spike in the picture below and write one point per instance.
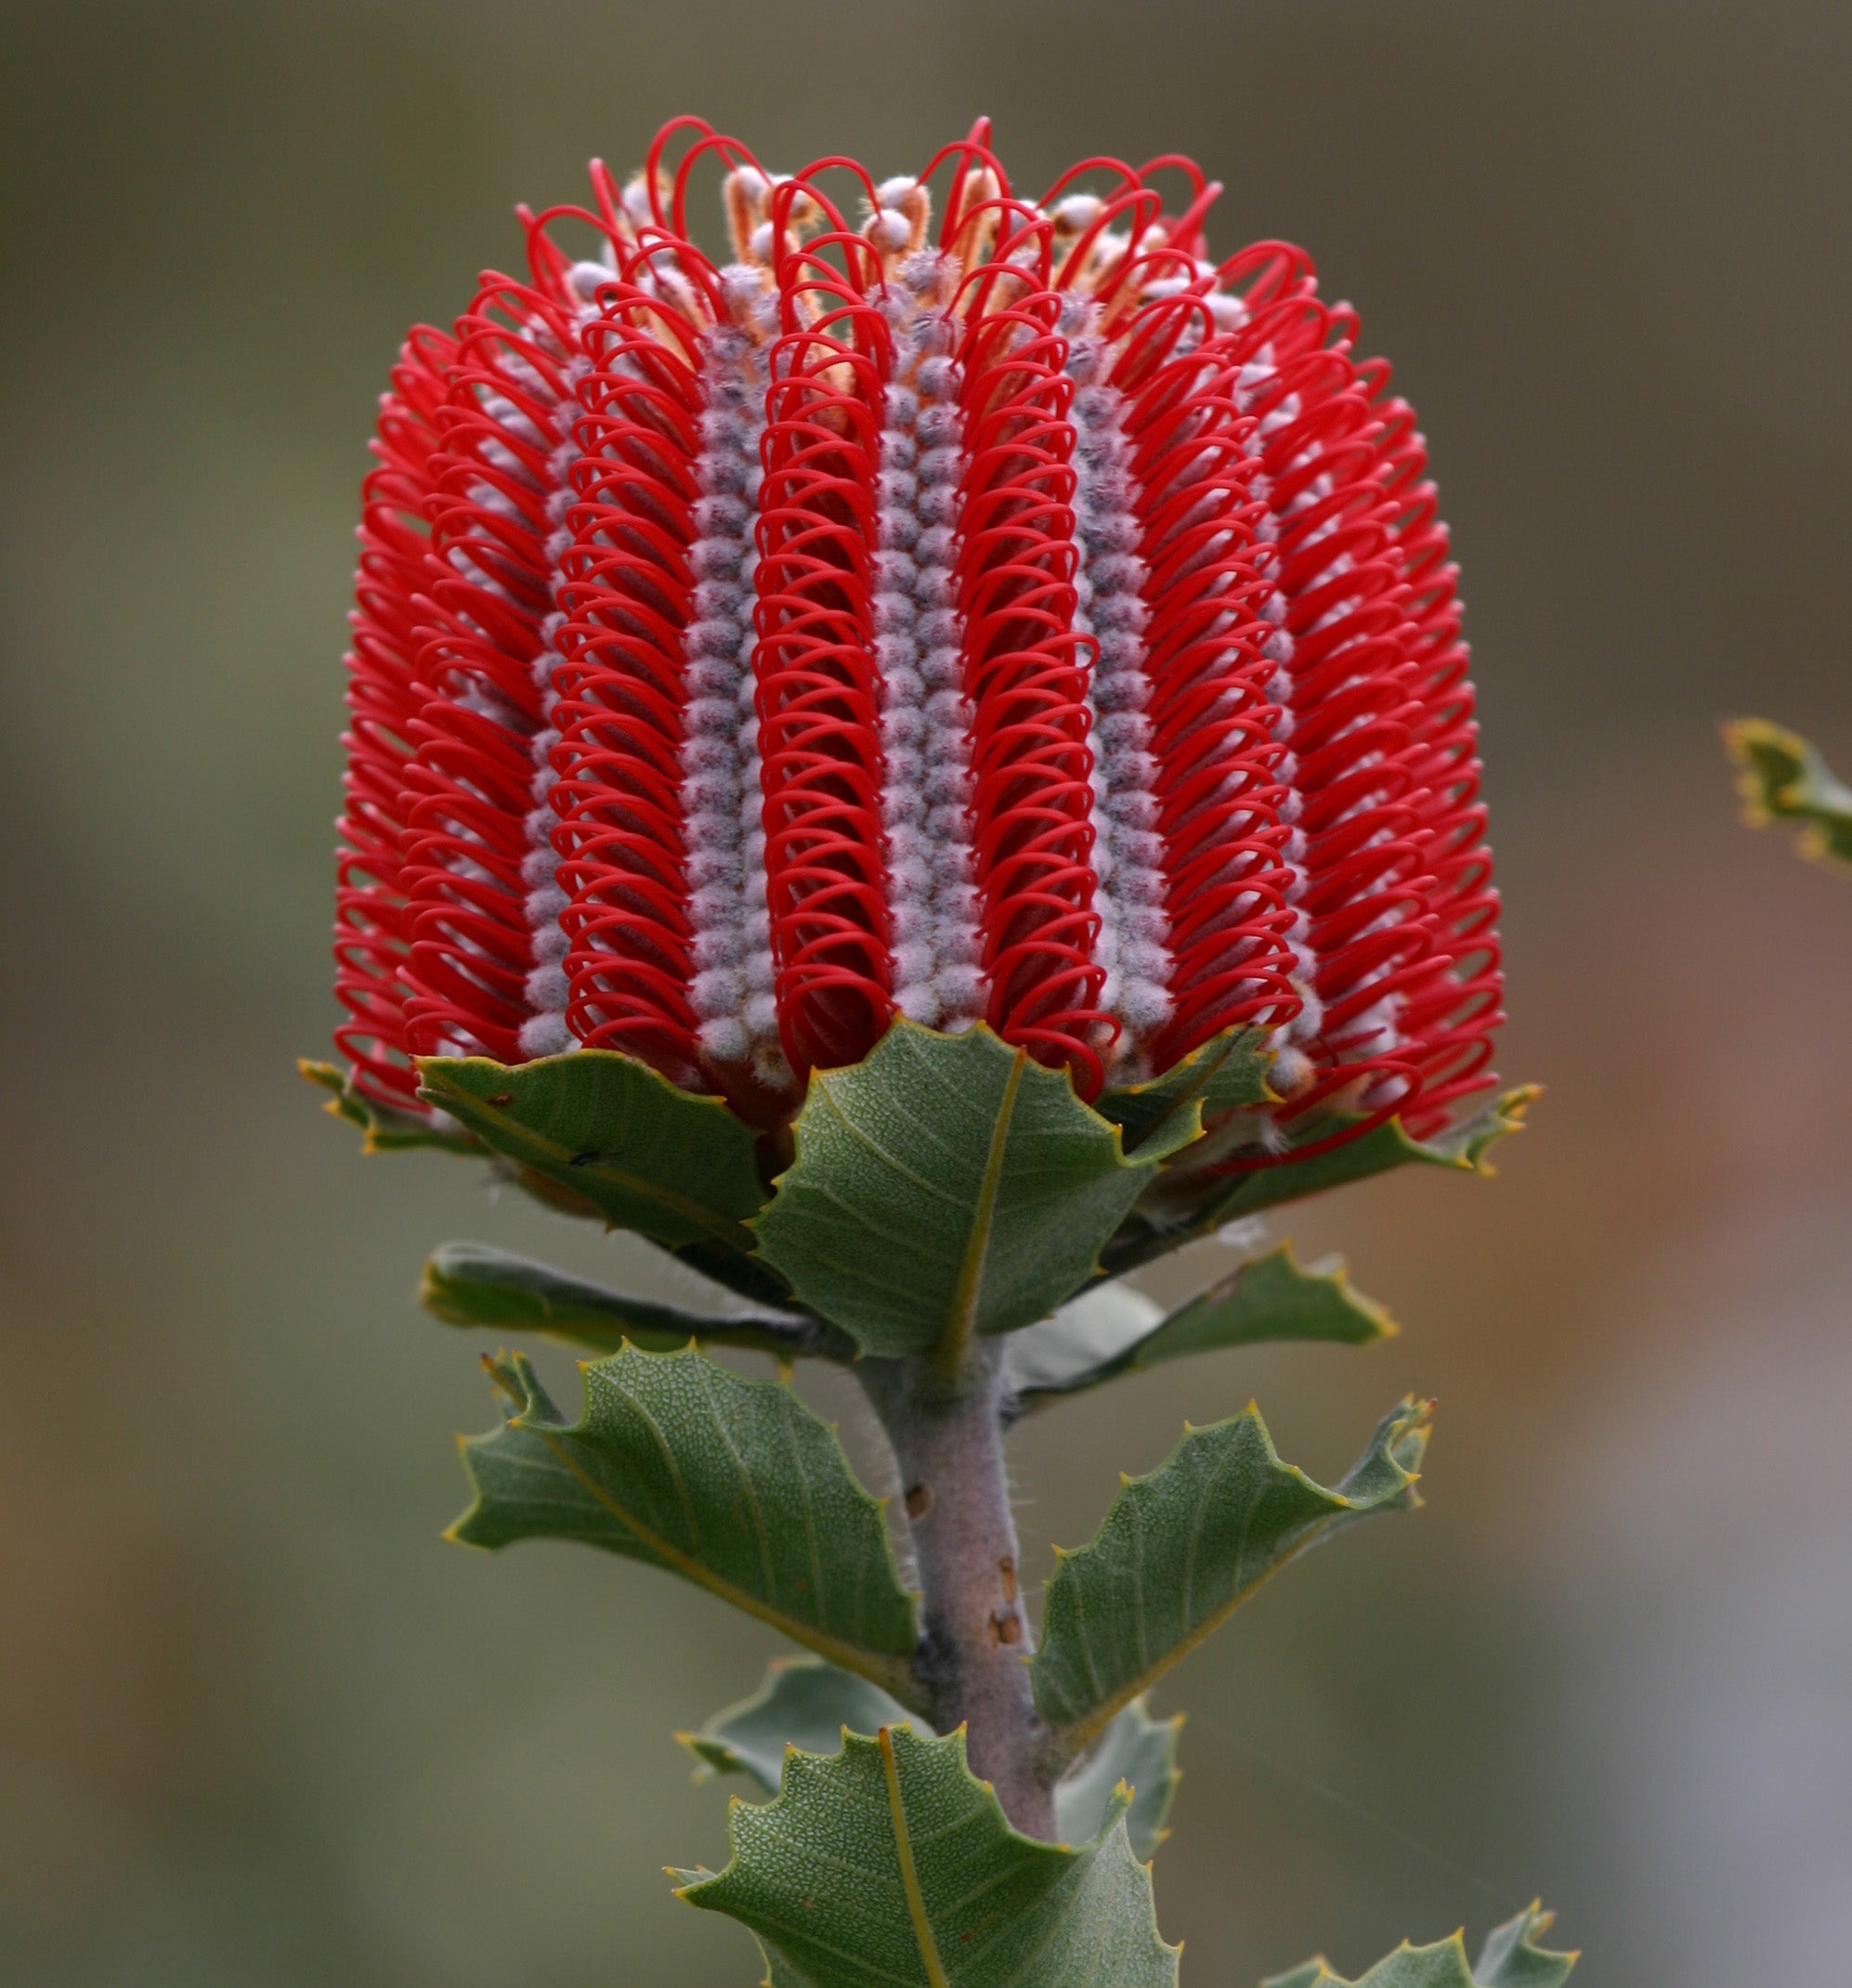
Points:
(1003, 616)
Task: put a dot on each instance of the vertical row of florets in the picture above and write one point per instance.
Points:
(1109, 583)
(545, 1033)
(1293, 1058)
(932, 899)
(734, 993)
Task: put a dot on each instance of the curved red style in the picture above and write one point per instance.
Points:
(1024, 621)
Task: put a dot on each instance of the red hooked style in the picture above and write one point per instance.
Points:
(1001, 614)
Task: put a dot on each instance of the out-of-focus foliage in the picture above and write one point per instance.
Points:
(1781, 778)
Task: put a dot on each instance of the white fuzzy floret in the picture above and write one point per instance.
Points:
(1128, 856)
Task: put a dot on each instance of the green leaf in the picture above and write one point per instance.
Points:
(1783, 778)
(1461, 1147)
(612, 1133)
(1227, 1072)
(731, 1483)
(779, 1973)
(947, 1186)
(803, 1703)
(387, 1129)
(470, 1283)
(1271, 1298)
(807, 1703)
(889, 1864)
(1180, 1549)
(1510, 1959)
(1139, 1751)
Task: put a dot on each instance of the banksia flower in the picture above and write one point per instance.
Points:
(1003, 614)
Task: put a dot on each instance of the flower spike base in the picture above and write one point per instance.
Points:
(937, 1224)
(916, 769)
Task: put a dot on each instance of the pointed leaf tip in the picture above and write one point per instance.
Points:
(1462, 1148)
(1112, 1331)
(384, 1128)
(1181, 1548)
(1781, 777)
(471, 1284)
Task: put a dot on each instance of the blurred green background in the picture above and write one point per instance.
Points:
(258, 1726)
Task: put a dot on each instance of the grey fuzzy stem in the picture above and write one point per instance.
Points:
(947, 1438)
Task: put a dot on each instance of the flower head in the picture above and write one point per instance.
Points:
(1001, 613)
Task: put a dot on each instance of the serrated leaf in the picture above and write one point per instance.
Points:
(1226, 1072)
(1139, 1751)
(733, 1484)
(1271, 1298)
(612, 1133)
(470, 1283)
(949, 1186)
(808, 1704)
(890, 1863)
(1180, 1549)
(1461, 1147)
(803, 1703)
(386, 1128)
(1510, 1959)
(1781, 777)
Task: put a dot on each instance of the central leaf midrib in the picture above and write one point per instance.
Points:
(909, 1874)
(961, 1324)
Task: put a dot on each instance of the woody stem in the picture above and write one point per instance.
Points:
(947, 1438)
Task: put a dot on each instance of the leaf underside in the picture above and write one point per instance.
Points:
(733, 1484)
(1181, 1548)
(1781, 778)
(889, 1864)
(471, 1284)
(1139, 1751)
(949, 1186)
(1269, 1300)
(802, 1703)
(1510, 1959)
(808, 1704)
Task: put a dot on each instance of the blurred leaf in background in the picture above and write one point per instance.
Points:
(1781, 778)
